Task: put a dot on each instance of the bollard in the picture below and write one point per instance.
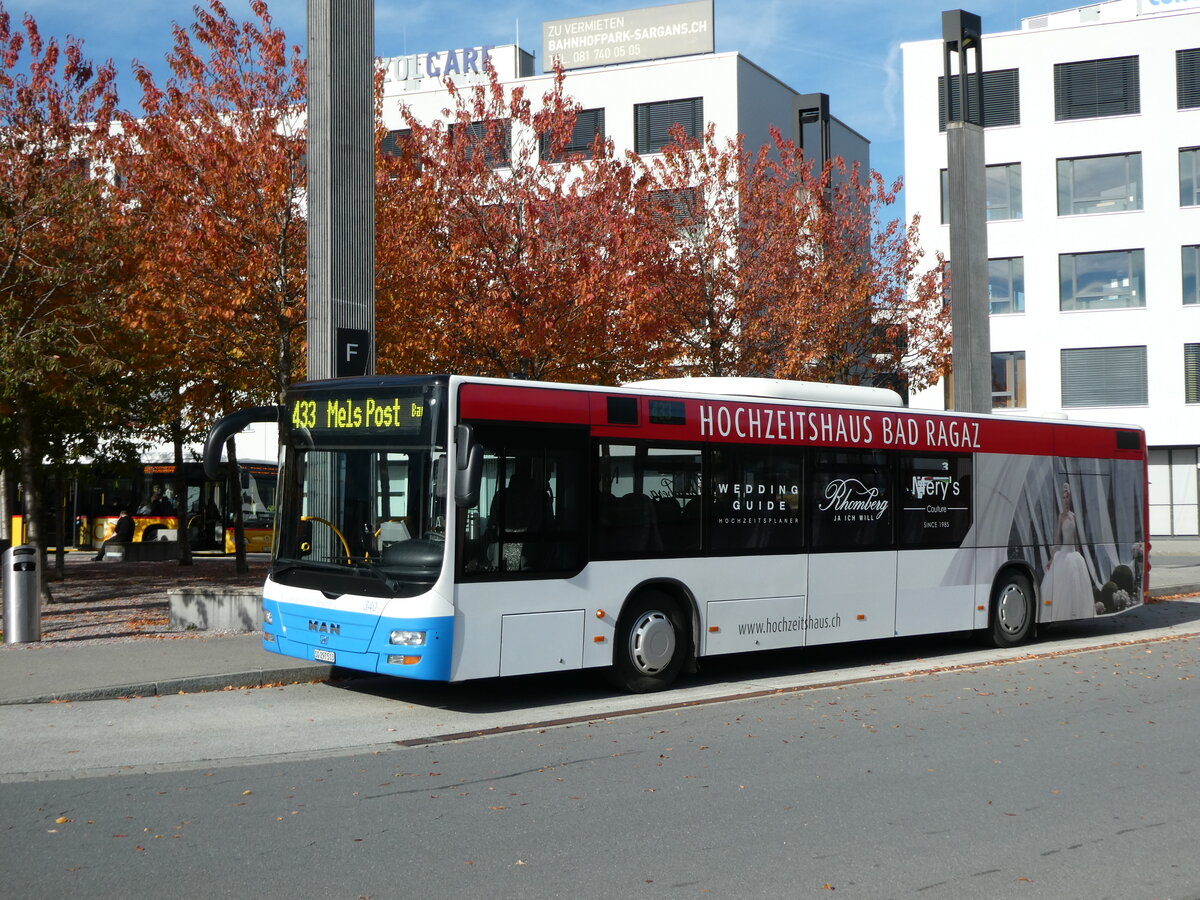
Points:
(22, 602)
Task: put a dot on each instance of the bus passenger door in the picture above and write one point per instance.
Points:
(852, 566)
(518, 549)
(936, 574)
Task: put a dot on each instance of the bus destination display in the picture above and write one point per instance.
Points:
(357, 413)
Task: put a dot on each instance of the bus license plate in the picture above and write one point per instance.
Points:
(323, 655)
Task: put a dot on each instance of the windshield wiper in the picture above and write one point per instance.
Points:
(365, 566)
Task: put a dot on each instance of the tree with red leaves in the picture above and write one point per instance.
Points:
(781, 270)
(214, 175)
(61, 247)
(533, 262)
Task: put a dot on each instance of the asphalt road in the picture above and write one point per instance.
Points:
(1067, 774)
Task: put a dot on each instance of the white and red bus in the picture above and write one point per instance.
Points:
(450, 527)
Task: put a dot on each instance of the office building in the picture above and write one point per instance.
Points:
(1092, 146)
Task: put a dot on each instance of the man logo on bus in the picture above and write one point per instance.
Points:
(324, 627)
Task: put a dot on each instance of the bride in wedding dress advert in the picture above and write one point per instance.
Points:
(1067, 586)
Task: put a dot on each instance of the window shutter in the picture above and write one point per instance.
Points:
(653, 121)
(479, 134)
(683, 206)
(1187, 77)
(394, 141)
(1001, 98)
(1104, 376)
(1097, 87)
(588, 124)
(1191, 373)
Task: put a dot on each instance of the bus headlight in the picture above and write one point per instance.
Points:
(268, 617)
(408, 638)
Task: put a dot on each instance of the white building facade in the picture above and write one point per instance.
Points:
(635, 103)
(1092, 136)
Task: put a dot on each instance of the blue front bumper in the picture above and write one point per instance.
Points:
(360, 640)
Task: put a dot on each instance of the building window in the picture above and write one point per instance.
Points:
(1006, 285)
(1104, 376)
(398, 144)
(1187, 78)
(1003, 193)
(494, 137)
(1191, 275)
(1113, 279)
(1099, 184)
(684, 207)
(1096, 87)
(652, 122)
(1191, 373)
(1008, 380)
(395, 143)
(1189, 176)
(589, 125)
(1001, 98)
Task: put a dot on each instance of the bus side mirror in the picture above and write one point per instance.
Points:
(468, 466)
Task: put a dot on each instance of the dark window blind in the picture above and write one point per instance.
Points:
(1097, 87)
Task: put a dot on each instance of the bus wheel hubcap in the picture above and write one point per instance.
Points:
(1013, 609)
(652, 642)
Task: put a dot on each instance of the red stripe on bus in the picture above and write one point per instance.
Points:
(759, 422)
(522, 404)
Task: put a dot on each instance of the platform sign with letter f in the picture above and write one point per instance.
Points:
(353, 352)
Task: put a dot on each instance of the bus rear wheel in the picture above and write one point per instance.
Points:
(1013, 610)
(651, 643)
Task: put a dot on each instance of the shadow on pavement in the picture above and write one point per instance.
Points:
(740, 671)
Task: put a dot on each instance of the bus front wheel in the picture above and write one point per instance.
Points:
(651, 643)
(1013, 610)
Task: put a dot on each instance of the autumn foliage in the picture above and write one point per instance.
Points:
(62, 251)
(213, 169)
(510, 242)
(501, 255)
(533, 262)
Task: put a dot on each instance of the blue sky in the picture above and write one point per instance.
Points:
(849, 49)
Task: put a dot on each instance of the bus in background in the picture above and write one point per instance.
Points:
(450, 527)
(95, 494)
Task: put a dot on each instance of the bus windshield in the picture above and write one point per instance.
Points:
(363, 508)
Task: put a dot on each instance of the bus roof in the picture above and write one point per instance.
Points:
(775, 389)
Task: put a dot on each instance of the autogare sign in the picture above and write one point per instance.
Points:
(1150, 7)
(462, 64)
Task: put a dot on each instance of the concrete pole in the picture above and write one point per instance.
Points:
(341, 188)
(969, 308)
(971, 340)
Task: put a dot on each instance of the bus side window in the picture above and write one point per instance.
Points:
(850, 505)
(756, 500)
(643, 499)
(935, 499)
(529, 516)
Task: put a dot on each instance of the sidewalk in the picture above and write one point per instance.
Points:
(107, 636)
(105, 670)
